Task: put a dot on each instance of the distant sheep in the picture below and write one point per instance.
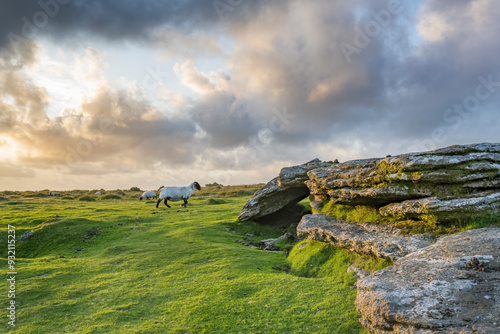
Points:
(51, 193)
(148, 194)
(99, 193)
(177, 193)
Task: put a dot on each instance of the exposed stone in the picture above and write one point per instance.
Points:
(434, 290)
(295, 176)
(281, 192)
(476, 264)
(270, 244)
(360, 273)
(376, 196)
(448, 208)
(269, 199)
(382, 240)
(447, 183)
(483, 184)
(26, 235)
(317, 204)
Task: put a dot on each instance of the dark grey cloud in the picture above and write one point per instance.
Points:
(229, 120)
(115, 20)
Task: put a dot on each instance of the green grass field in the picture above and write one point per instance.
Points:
(123, 266)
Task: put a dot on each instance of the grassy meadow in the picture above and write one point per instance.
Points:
(114, 264)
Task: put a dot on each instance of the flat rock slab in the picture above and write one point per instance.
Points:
(436, 290)
(384, 241)
(282, 191)
(295, 176)
(446, 209)
(270, 199)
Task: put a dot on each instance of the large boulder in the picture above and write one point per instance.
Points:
(270, 199)
(452, 183)
(452, 286)
(281, 193)
(384, 241)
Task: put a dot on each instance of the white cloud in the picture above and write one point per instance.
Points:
(200, 82)
(433, 26)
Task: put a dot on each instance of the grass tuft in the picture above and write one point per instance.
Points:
(311, 258)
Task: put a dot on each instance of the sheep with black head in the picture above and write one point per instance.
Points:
(177, 194)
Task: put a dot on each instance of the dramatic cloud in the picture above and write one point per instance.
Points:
(99, 130)
(252, 85)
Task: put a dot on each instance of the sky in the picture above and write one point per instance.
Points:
(114, 93)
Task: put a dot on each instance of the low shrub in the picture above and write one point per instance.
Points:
(87, 199)
(8, 192)
(213, 201)
(32, 194)
(244, 193)
(14, 203)
(111, 196)
(215, 184)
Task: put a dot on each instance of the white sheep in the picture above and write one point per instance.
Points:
(148, 194)
(98, 193)
(51, 193)
(177, 193)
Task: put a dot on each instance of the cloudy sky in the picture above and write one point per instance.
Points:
(115, 93)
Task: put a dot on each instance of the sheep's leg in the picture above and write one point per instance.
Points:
(185, 202)
(165, 201)
(157, 203)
